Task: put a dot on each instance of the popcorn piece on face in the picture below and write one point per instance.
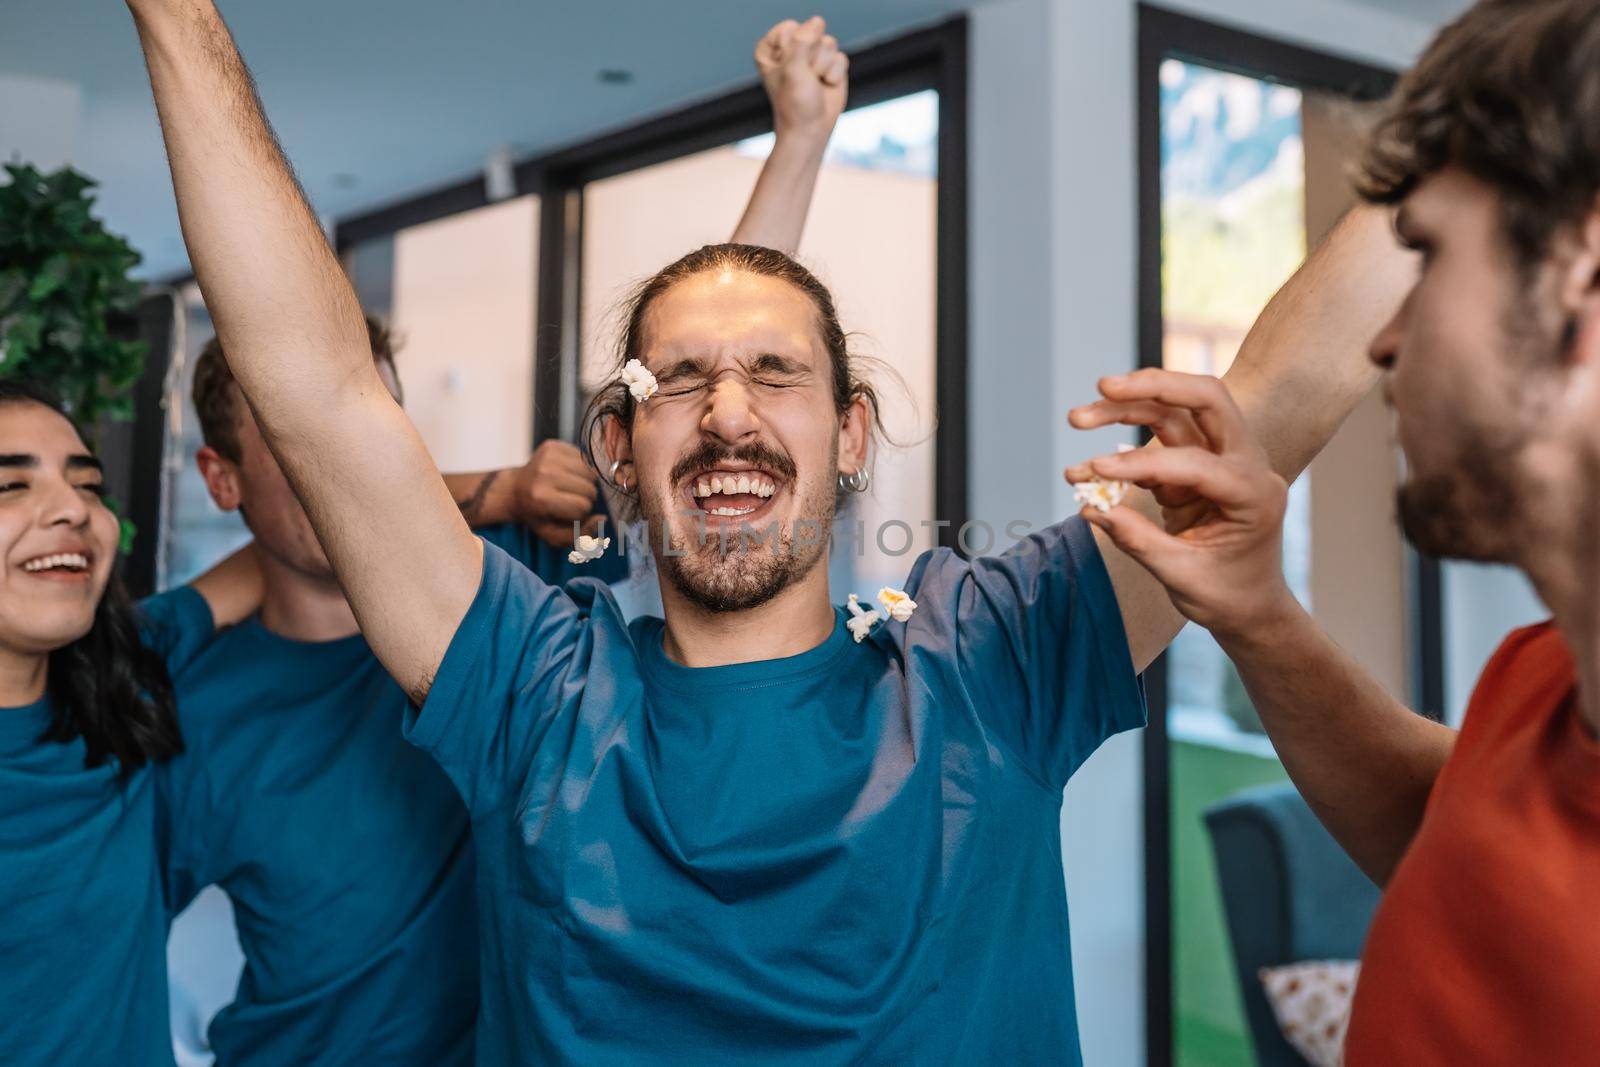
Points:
(588, 549)
(864, 618)
(1103, 494)
(640, 382)
(896, 603)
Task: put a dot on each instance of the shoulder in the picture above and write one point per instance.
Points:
(1531, 670)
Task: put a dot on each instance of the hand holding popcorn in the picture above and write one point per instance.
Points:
(1219, 548)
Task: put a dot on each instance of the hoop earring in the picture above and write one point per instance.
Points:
(855, 482)
(621, 487)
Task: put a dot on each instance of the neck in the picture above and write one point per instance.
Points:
(22, 677)
(303, 607)
(797, 620)
(1562, 560)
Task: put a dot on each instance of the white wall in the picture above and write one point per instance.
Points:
(1053, 191)
(39, 120)
(1481, 605)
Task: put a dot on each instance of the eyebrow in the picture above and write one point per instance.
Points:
(683, 368)
(771, 362)
(29, 461)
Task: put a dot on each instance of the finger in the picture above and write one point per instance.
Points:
(1148, 544)
(558, 534)
(827, 51)
(838, 71)
(1172, 425)
(1221, 481)
(1206, 398)
(775, 43)
(565, 506)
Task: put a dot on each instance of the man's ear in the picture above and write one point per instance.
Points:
(855, 433)
(1580, 293)
(221, 477)
(619, 449)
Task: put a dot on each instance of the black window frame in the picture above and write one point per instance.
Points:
(1164, 34)
(931, 58)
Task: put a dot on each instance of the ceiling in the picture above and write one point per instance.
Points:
(1432, 12)
(377, 99)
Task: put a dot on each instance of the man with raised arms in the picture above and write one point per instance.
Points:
(757, 828)
(345, 851)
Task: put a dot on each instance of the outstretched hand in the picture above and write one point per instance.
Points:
(1218, 550)
(805, 75)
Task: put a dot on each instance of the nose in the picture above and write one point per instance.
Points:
(63, 504)
(730, 415)
(1385, 347)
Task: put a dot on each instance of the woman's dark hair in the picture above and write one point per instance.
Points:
(613, 401)
(106, 687)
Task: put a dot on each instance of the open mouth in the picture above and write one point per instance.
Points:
(733, 493)
(57, 565)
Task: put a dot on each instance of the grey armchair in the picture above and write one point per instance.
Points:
(1290, 894)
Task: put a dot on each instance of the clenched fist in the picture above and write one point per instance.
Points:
(805, 75)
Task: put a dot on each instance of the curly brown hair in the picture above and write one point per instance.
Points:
(218, 402)
(1510, 93)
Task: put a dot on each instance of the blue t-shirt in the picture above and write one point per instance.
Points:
(849, 854)
(83, 965)
(345, 851)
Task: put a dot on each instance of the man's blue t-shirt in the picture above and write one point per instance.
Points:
(83, 964)
(848, 855)
(345, 851)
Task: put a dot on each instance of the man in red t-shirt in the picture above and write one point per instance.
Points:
(1486, 947)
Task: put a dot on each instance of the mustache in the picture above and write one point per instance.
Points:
(710, 454)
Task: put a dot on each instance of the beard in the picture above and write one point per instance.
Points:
(1469, 510)
(748, 565)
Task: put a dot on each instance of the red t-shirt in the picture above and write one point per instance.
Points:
(1486, 946)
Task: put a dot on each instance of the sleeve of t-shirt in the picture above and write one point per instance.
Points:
(1039, 645)
(180, 833)
(513, 662)
(176, 625)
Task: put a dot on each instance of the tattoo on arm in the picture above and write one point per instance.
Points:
(474, 503)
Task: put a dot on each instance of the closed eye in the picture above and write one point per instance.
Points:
(9, 487)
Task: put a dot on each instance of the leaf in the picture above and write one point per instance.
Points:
(12, 285)
(51, 277)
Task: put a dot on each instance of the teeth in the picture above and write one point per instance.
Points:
(731, 512)
(734, 484)
(71, 560)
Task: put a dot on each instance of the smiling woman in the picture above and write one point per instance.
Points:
(86, 708)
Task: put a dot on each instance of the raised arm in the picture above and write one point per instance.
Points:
(1363, 761)
(1301, 370)
(298, 347)
(806, 78)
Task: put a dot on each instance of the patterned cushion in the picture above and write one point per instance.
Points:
(1312, 1003)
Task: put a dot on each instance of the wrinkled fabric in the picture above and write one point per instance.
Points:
(346, 853)
(83, 964)
(848, 855)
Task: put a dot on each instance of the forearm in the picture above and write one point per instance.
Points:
(776, 214)
(232, 588)
(282, 306)
(486, 498)
(1363, 761)
(1303, 367)
(297, 345)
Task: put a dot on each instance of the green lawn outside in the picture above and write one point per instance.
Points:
(1208, 1020)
